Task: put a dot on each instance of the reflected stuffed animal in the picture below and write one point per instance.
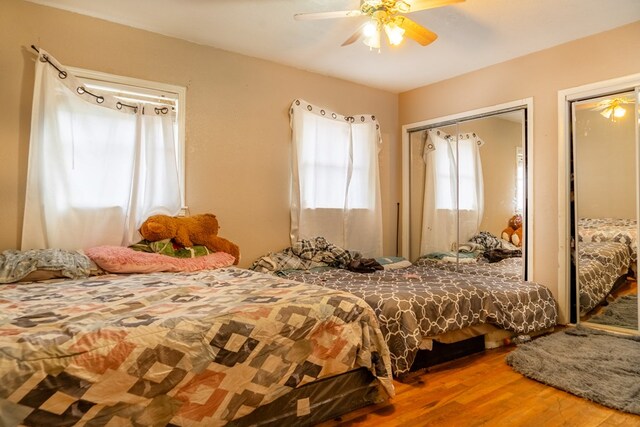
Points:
(513, 232)
(189, 231)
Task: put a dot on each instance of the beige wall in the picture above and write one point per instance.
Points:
(539, 75)
(237, 125)
(605, 173)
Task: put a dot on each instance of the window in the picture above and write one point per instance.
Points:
(335, 182)
(105, 153)
(335, 168)
(456, 158)
(154, 94)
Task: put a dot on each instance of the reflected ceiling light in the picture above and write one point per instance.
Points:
(613, 109)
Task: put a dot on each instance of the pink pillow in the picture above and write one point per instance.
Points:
(120, 259)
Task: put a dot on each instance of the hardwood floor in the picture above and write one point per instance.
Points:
(481, 390)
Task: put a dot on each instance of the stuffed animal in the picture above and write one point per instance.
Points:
(513, 232)
(189, 231)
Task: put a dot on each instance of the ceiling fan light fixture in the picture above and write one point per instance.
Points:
(395, 34)
(373, 41)
(403, 6)
(370, 28)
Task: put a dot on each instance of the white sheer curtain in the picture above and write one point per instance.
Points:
(453, 190)
(335, 179)
(96, 170)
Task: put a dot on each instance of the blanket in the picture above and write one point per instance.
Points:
(170, 248)
(305, 254)
(185, 349)
(16, 265)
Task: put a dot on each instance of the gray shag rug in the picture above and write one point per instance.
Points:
(595, 365)
(623, 312)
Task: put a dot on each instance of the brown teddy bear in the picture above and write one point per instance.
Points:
(189, 231)
(513, 233)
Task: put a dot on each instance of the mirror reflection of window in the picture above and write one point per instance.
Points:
(467, 182)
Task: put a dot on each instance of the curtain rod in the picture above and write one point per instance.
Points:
(61, 73)
(82, 90)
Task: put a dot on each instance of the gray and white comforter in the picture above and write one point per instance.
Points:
(600, 265)
(507, 269)
(416, 302)
(610, 230)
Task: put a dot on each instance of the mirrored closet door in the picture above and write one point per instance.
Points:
(605, 209)
(467, 180)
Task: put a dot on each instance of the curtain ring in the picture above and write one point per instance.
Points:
(163, 110)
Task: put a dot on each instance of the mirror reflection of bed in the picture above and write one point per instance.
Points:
(605, 224)
(467, 180)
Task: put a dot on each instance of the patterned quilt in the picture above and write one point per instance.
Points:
(198, 348)
(416, 302)
(600, 265)
(610, 230)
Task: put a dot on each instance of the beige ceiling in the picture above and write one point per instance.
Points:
(472, 35)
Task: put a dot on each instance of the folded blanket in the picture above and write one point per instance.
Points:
(170, 248)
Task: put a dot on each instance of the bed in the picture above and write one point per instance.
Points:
(611, 230)
(419, 303)
(211, 347)
(600, 267)
(507, 269)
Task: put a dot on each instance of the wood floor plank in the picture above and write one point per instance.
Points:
(481, 390)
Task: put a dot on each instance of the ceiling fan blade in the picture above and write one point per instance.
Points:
(355, 36)
(416, 5)
(416, 31)
(327, 15)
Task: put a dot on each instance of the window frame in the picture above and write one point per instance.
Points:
(176, 92)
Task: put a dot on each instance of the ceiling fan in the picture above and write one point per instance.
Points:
(387, 16)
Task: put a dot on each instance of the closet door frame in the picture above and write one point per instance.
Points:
(565, 98)
(527, 105)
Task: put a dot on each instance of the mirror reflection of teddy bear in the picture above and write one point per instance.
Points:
(513, 233)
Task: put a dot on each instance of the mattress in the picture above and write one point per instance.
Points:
(417, 302)
(204, 348)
